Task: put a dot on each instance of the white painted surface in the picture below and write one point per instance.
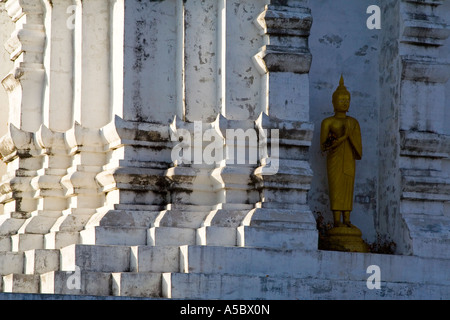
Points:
(109, 183)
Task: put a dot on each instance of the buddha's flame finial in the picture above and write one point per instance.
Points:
(341, 89)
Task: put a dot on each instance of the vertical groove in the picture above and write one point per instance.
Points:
(77, 53)
(57, 109)
(181, 106)
(221, 49)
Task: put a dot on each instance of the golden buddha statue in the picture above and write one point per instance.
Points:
(340, 137)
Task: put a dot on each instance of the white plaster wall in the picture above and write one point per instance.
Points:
(444, 54)
(388, 217)
(444, 12)
(243, 96)
(192, 59)
(58, 64)
(92, 81)
(7, 27)
(151, 67)
(340, 42)
(6, 65)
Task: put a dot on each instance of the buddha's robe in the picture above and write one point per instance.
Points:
(341, 167)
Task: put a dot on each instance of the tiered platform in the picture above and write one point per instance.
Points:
(210, 272)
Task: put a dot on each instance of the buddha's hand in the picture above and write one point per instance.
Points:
(336, 143)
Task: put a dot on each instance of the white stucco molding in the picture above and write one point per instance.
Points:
(86, 145)
(424, 144)
(20, 151)
(120, 132)
(79, 138)
(426, 69)
(25, 82)
(292, 25)
(130, 144)
(56, 152)
(18, 143)
(50, 141)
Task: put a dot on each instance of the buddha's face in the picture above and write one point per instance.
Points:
(341, 103)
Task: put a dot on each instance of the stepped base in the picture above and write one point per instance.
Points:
(221, 272)
(171, 236)
(11, 262)
(155, 259)
(233, 287)
(23, 283)
(137, 284)
(24, 241)
(272, 237)
(40, 261)
(76, 283)
(61, 239)
(5, 243)
(114, 236)
(217, 236)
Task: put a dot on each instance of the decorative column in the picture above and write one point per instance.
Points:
(193, 193)
(91, 63)
(49, 193)
(132, 181)
(199, 92)
(284, 176)
(201, 67)
(414, 184)
(87, 160)
(25, 83)
(58, 118)
(91, 111)
(241, 81)
(59, 67)
(23, 160)
(285, 60)
(236, 189)
(25, 88)
(146, 74)
(52, 199)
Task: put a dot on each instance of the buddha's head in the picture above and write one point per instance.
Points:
(341, 97)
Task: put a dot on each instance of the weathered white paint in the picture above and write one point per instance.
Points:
(201, 60)
(243, 82)
(92, 63)
(98, 198)
(24, 83)
(58, 63)
(5, 66)
(151, 45)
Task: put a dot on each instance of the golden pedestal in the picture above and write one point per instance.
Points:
(345, 238)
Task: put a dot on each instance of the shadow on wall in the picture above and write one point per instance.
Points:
(381, 245)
